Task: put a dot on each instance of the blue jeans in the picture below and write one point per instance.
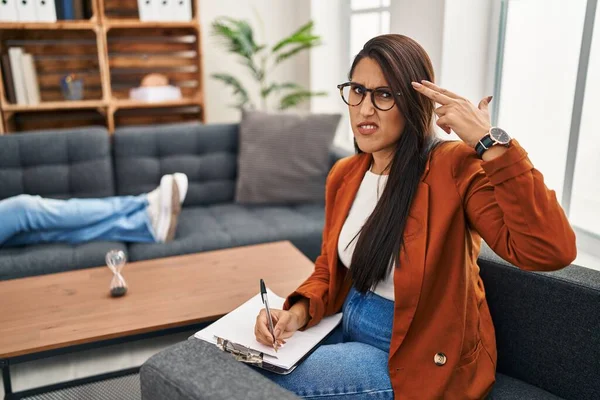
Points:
(29, 219)
(353, 362)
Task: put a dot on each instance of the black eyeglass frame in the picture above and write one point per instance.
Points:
(341, 87)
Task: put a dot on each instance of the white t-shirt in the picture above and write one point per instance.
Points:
(368, 194)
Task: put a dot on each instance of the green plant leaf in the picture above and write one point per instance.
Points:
(256, 72)
(237, 34)
(275, 87)
(239, 39)
(303, 32)
(303, 46)
(295, 98)
(238, 90)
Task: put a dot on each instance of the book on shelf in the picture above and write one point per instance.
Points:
(65, 9)
(147, 10)
(26, 11)
(9, 86)
(45, 10)
(182, 10)
(21, 76)
(8, 11)
(165, 10)
(16, 65)
(78, 9)
(73, 9)
(31, 81)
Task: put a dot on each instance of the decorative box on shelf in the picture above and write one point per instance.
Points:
(155, 94)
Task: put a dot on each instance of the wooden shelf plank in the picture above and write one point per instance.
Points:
(129, 104)
(54, 105)
(134, 23)
(60, 25)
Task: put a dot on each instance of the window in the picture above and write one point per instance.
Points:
(368, 18)
(539, 71)
(585, 197)
(549, 66)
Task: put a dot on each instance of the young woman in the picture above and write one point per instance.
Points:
(404, 221)
(149, 217)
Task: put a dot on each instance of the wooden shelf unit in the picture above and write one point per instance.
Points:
(111, 52)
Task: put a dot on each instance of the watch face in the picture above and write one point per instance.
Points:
(499, 135)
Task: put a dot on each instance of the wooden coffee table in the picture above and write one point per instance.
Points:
(52, 314)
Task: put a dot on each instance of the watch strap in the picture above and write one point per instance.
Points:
(484, 143)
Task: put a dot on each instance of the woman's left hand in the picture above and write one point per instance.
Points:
(456, 113)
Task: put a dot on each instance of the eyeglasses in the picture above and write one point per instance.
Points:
(354, 93)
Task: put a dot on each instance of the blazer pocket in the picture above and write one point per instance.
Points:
(471, 355)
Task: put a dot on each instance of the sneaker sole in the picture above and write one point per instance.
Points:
(175, 210)
(166, 194)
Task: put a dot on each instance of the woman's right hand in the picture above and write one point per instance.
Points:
(285, 323)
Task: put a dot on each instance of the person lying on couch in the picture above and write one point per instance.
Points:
(147, 218)
(404, 219)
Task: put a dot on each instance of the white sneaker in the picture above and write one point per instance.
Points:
(166, 200)
(181, 180)
(153, 208)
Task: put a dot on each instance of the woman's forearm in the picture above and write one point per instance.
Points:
(300, 309)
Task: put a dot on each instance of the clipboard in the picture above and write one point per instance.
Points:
(234, 334)
(249, 356)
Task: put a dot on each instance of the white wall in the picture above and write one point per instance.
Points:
(422, 20)
(279, 19)
(329, 63)
(465, 49)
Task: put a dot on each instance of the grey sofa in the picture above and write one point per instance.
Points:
(88, 162)
(547, 330)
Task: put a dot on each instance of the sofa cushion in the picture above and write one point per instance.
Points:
(20, 262)
(507, 388)
(546, 325)
(284, 157)
(57, 163)
(229, 225)
(207, 154)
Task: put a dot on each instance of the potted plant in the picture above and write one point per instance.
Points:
(238, 36)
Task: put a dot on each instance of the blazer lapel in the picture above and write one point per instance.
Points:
(408, 279)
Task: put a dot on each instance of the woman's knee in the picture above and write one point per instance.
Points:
(339, 369)
(20, 204)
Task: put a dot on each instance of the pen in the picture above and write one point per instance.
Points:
(265, 300)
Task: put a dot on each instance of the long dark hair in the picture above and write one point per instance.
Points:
(402, 61)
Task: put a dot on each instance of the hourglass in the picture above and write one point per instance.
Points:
(115, 260)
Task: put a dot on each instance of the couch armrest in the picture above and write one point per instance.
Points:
(337, 153)
(196, 370)
(546, 325)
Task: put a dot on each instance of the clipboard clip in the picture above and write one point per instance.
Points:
(240, 352)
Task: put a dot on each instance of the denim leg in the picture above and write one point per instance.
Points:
(368, 318)
(348, 371)
(32, 219)
(352, 364)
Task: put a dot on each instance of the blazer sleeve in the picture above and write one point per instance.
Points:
(316, 287)
(508, 204)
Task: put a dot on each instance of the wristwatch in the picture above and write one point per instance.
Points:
(495, 136)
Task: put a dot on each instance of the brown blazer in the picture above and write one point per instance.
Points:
(440, 309)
